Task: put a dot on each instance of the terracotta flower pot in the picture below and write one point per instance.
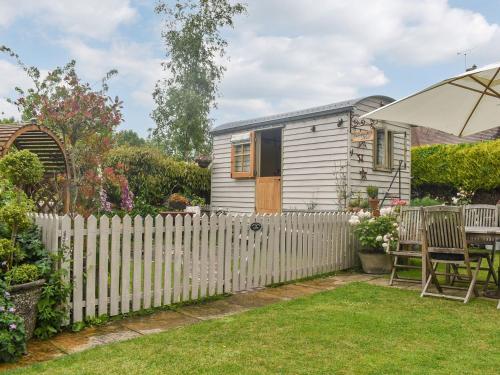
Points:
(25, 297)
(374, 206)
(375, 263)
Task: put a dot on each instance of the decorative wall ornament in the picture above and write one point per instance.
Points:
(363, 174)
(357, 123)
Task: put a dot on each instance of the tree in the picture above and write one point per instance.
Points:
(83, 117)
(129, 138)
(195, 45)
(7, 120)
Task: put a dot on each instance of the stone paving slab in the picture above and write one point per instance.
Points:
(69, 342)
(321, 284)
(158, 322)
(253, 299)
(211, 310)
(290, 291)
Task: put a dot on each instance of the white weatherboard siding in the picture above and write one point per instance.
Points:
(381, 179)
(227, 193)
(309, 160)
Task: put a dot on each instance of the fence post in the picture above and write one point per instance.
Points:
(90, 266)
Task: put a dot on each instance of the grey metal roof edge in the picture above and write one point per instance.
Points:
(328, 109)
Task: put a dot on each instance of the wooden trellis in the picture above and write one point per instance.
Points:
(49, 196)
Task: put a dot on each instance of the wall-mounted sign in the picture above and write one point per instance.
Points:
(362, 135)
(255, 226)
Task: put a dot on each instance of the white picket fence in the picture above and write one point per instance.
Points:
(121, 265)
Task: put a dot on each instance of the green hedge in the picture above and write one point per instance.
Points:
(471, 167)
(153, 176)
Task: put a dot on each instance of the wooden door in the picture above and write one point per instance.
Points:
(268, 195)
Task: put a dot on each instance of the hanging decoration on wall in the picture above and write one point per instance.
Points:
(363, 174)
(357, 123)
(362, 131)
(362, 135)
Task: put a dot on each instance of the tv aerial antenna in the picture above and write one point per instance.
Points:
(465, 54)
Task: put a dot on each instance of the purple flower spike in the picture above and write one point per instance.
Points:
(12, 326)
(105, 204)
(127, 198)
(12, 310)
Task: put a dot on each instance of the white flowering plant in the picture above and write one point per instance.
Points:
(376, 234)
(462, 197)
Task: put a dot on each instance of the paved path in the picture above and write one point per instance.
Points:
(119, 330)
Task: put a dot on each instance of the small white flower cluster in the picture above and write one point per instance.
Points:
(386, 211)
(356, 219)
(462, 197)
(387, 240)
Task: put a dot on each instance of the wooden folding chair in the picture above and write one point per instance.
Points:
(483, 215)
(409, 244)
(444, 242)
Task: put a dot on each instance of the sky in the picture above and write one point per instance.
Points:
(283, 54)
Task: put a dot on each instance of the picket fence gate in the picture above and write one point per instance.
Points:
(120, 265)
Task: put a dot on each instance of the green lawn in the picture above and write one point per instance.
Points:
(355, 329)
(416, 274)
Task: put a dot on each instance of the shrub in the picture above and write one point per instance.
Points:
(14, 214)
(425, 201)
(53, 307)
(24, 273)
(22, 168)
(466, 166)
(9, 254)
(12, 333)
(153, 176)
(376, 234)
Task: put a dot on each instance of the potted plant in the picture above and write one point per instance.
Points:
(373, 200)
(377, 236)
(203, 161)
(18, 269)
(178, 202)
(357, 203)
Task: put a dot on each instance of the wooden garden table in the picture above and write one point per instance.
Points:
(491, 236)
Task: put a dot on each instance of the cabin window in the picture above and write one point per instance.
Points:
(243, 155)
(383, 149)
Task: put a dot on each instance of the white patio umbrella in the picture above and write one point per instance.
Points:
(461, 105)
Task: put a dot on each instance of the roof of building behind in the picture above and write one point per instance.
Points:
(421, 136)
(338, 107)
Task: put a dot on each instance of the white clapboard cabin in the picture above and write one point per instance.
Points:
(309, 160)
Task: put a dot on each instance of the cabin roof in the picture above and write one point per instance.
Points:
(328, 109)
(421, 136)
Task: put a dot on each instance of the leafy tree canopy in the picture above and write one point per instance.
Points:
(82, 116)
(195, 46)
(129, 138)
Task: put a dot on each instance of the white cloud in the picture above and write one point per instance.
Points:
(89, 18)
(138, 69)
(11, 76)
(291, 54)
